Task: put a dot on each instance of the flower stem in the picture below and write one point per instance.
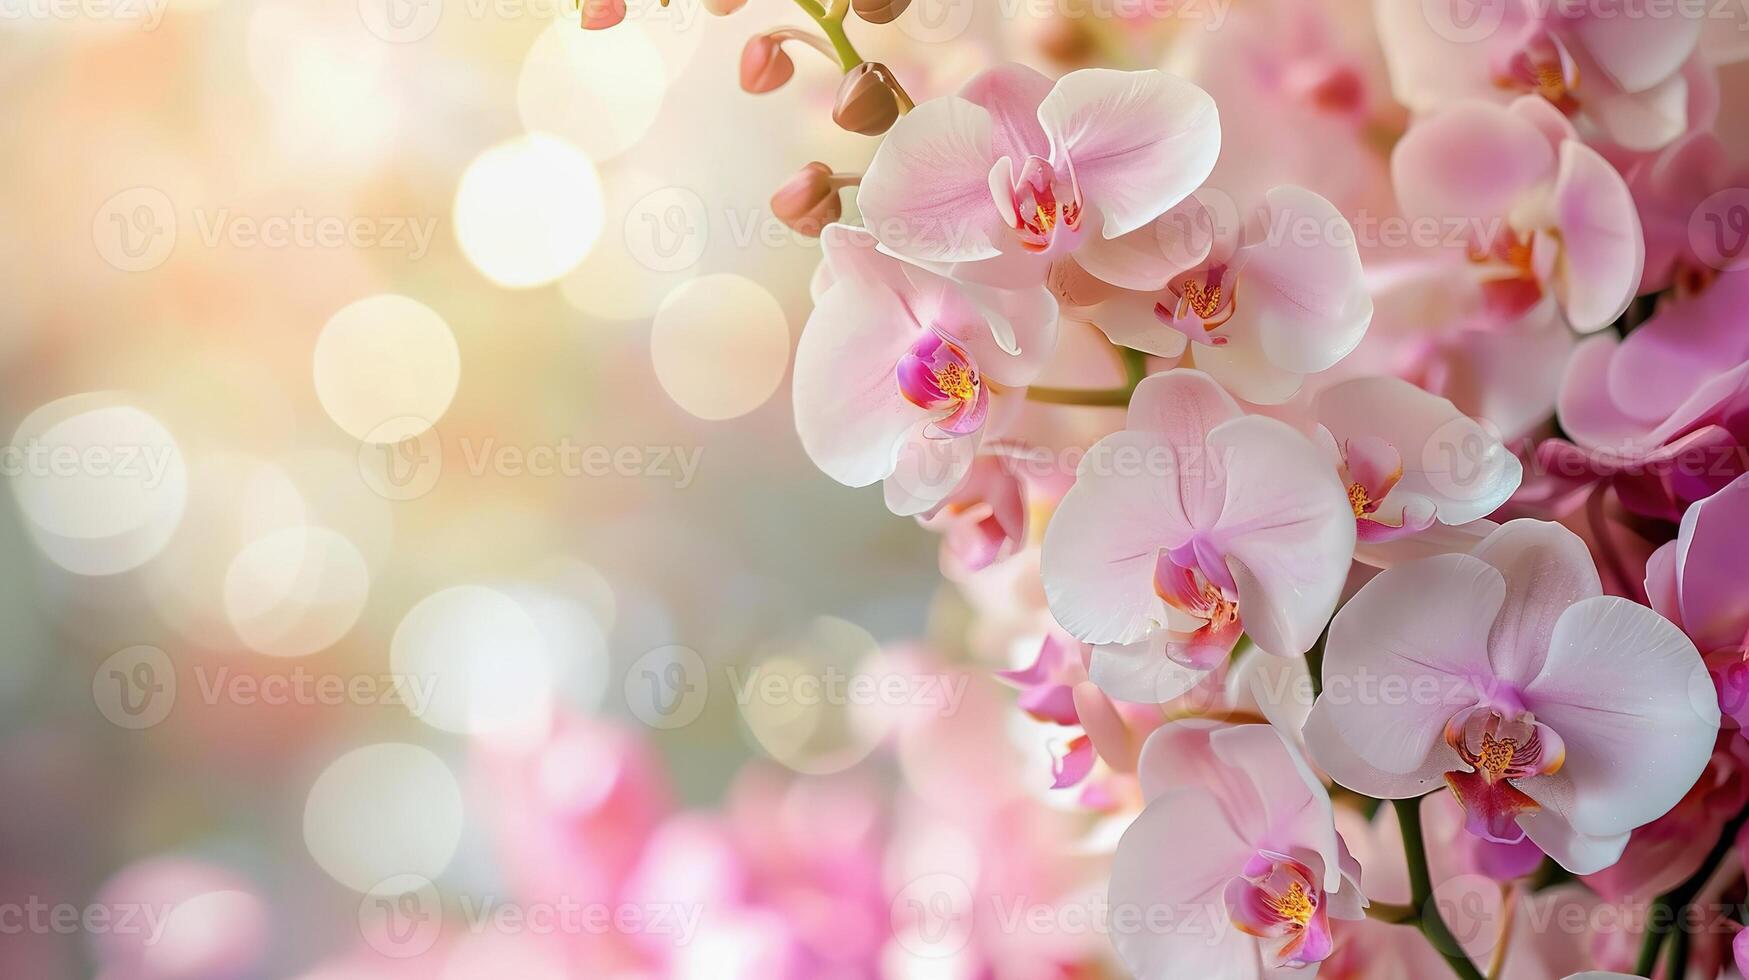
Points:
(1135, 368)
(831, 21)
(1678, 898)
(1421, 892)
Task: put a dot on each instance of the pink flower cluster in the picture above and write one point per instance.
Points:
(1357, 413)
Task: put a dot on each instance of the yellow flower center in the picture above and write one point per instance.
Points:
(956, 381)
(1203, 302)
(1295, 906)
(1358, 499)
(1496, 755)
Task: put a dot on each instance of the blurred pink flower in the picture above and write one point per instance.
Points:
(1618, 76)
(1541, 214)
(1662, 415)
(1696, 582)
(1551, 710)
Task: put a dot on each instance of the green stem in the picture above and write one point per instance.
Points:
(831, 21)
(1677, 899)
(1099, 397)
(1421, 892)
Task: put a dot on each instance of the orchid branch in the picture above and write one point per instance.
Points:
(1432, 925)
(831, 23)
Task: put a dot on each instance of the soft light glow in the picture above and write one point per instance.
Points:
(102, 485)
(383, 810)
(528, 210)
(601, 90)
(296, 591)
(386, 368)
(720, 344)
(473, 661)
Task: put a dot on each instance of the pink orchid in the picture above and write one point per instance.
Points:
(1260, 303)
(1543, 216)
(1551, 710)
(1238, 843)
(1055, 689)
(1662, 415)
(895, 370)
(1663, 853)
(1696, 582)
(1669, 189)
(1015, 170)
(1410, 460)
(1619, 76)
(984, 519)
(1194, 523)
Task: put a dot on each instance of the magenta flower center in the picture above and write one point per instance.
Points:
(1499, 751)
(1042, 201)
(937, 375)
(1277, 899)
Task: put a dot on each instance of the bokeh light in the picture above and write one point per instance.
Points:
(386, 368)
(721, 345)
(382, 811)
(528, 210)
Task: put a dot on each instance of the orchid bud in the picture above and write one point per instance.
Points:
(809, 201)
(723, 8)
(601, 14)
(879, 11)
(764, 65)
(866, 103)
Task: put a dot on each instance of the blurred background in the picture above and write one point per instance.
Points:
(411, 569)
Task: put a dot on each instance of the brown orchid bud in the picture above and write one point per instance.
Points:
(764, 65)
(723, 8)
(809, 201)
(866, 101)
(879, 11)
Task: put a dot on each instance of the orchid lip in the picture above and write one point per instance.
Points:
(1039, 204)
(938, 376)
(1278, 900)
(1500, 748)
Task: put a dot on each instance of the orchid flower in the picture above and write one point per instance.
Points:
(1551, 710)
(1194, 523)
(1054, 689)
(1238, 842)
(1621, 76)
(1696, 582)
(895, 371)
(1259, 304)
(1661, 414)
(1542, 215)
(1016, 170)
(1409, 460)
(984, 520)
